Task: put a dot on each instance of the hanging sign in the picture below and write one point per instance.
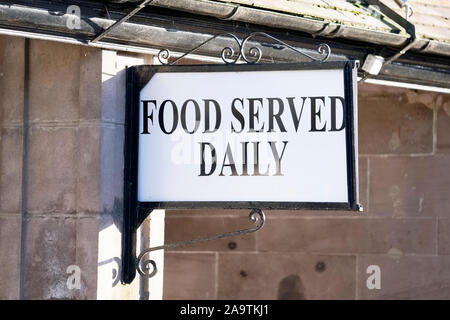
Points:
(242, 136)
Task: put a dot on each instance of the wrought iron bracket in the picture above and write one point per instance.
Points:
(254, 53)
(147, 268)
(251, 55)
(125, 18)
(247, 53)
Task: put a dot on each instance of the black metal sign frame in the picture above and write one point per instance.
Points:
(135, 212)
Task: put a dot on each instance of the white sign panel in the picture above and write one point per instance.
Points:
(241, 134)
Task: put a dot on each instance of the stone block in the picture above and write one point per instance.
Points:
(54, 244)
(11, 170)
(88, 167)
(189, 276)
(86, 256)
(444, 236)
(54, 81)
(443, 124)
(410, 186)
(405, 277)
(348, 235)
(285, 276)
(52, 169)
(90, 90)
(395, 124)
(12, 70)
(10, 240)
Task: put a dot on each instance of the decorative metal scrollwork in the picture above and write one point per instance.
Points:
(256, 53)
(253, 55)
(147, 268)
(226, 54)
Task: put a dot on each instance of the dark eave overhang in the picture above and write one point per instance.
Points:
(181, 25)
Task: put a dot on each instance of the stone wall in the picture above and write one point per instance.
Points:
(61, 119)
(50, 104)
(62, 114)
(404, 170)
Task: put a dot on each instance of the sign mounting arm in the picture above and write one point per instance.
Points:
(145, 266)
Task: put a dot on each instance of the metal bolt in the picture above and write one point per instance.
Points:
(232, 245)
(320, 266)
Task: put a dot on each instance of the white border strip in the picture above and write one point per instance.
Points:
(406, 85)
(103, 45)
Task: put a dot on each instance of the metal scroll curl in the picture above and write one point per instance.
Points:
(255, 53)
(228, 54)
(147, 267)
(251, 55)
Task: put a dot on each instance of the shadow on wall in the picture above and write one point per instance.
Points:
(113, 216)
(115, 272)
(111, 176)
(291, 288)
(110, 244)
(112, 148)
